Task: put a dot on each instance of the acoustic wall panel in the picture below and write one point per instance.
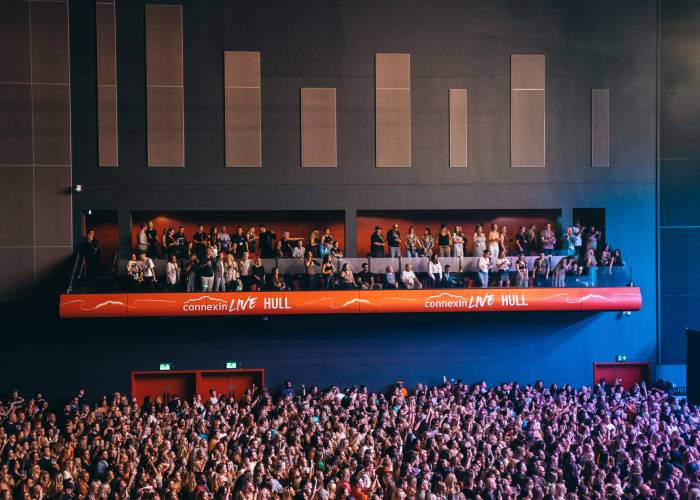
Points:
(52, 126)
(14, 41)
(50, 52)
(600, 127)
(165, 90)
(458, 128)
(527, 110)
(393, 110)
(108, 143)
(318, 128)
(242, 109)
(16, 124)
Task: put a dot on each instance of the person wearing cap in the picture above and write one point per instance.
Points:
(377, 242)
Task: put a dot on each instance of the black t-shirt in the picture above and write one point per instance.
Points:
(365, 277)
(241, 241)
(522, 239)
(151, 235)
(394, 238)
(200, 238)
(206, 268)
(267, 241)
(377, 238)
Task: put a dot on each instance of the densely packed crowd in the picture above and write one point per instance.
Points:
(217, 261)
(450, 441)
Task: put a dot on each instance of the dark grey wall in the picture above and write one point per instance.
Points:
(679, 176)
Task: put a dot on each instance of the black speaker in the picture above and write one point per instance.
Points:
(692, 366)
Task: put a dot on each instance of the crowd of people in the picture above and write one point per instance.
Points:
(218, 261)
(452, 441)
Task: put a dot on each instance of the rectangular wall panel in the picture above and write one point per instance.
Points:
(600, 127)
(393, 110)
(50, 52)
(458, 128)
(242, 109)
(527, 110)
(108, 149)
(14, 41)
(165, 90)
(318, 128)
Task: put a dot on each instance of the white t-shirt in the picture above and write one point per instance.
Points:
(172, 272)
(408, 276)
(483, 264)
(434, 268)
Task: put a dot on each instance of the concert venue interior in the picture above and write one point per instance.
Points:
(330, 249)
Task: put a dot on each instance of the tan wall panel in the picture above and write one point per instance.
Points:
(106, 45)
(164, 45)
(107, 126)
(318, 128)
(242, 69)
(165, 127)
(50, 52)
(52, 126)
(393, 70)
(14, 41)
(16, 206)
(600, 128)
(17, 271)
(15, 124)
(527, 138)
(393, 128)
(458, 128)
(527, 71)
(243, 143)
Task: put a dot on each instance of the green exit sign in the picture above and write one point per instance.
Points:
(164, 366)
(231, 365)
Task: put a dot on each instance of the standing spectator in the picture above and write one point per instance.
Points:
(479, 241)
(328, 271)
(224, 240)
(91, 253)
(394, 239)
(412, 242)
(409, 278)
(366, 280)
(233, 275)
(567, 241)
(327, 237)
(267, 242)
(522, 272)
(347, 278)
(593, 236)
(134, 271)
(315, 244)
(494, 240)
(560, 271)
(311, 266)
(245, 266)
(252, 240)
(220, 273)
(605, 256)
(390, 278)
(170, 245)
(503, 265)
(577, 231)
(288, 242)
(434, 271)
(377, 243)
(206, 271)
(521, 242)
(277, 281)
(591, 265)
(503, 241)
(148, 272)
(459, 241)
(335, 251)
(241, 242)
(532, 239)
(257, 272)
(199, 242)
(298, 251)
(444, 241)
(616, 259)
(540, 270)
(142, 239)
(547, 239)
(427, 243)
(183, 246)
(152, 239)
(214, 239)
(483, 265)
(191, 273)
(172, 273)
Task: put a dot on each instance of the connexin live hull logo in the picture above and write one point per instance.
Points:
(241, 305)
(471, 301)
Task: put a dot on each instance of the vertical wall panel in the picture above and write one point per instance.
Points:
(164, 82)
(458, 128)
(318, 128)
(393, 112)
(527, 110)
(50, 52)
(600, 127)
(14, 41)
(108, 149)
(242, 109)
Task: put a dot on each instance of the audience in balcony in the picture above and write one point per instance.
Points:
(298, 251)
(91, 252)
(541, 269)
(449, 280)
(346, 280)
(459, 241)
(522, 273)
(277, 281)
(311, 265)
(548, 239)
(377, 242)
(483, 265)
(390, 281)
(172, 273)
(494, 243)
(328, 270)
(257, 274)
(503, 266)
(427, 242)
(394, 239)
(434, 271)
(366, 280)
(444, 241)
(233, 274)
(478, 241)
(409, 279)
